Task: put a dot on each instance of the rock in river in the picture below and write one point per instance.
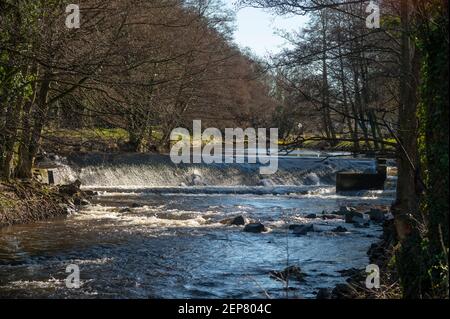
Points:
(238, 221)
(254, 228)
(78, 201)
(235, 221)
(301, 230)
(343, 291)
(289, 273)
(356, 217)
(330, 216)
(70, 189)
(339, 229)
(324, 293)
(376, 215)
(344, 210)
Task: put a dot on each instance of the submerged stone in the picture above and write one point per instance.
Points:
(323, 293)
(289, 273)
(376, 215)
(254, 228)
(340, 229)
(301, 230)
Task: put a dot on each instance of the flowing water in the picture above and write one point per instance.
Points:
(155, 231)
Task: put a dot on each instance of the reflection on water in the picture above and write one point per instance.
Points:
(173, 245)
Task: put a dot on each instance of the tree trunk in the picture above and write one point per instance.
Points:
(12, 123)
(359, 108)
(407, 199)
(328, 124)
(409, 257)
(32, 134)
(348, 119)
(434, 132)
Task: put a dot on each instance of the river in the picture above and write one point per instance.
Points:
(154, 231)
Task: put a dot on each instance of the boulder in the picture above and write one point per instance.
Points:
(90, 193)
(323, 293)
(311, 179)
(197, 180)
(343, 291)
(358, 220)
(136, 205)
(349, 218)
(254, 228)
(301, 230)
(78, 201)
(70, 189)
(266, 182)
(361, 225)
(330, 216)
(67, 208)
(339, 229)
(236, 221)
(345, 209)
(289, 273)
(311, 216)
(125, 210)
(356, 217)
(376, 215)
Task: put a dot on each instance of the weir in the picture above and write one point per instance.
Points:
(354, 181)
(149, 170)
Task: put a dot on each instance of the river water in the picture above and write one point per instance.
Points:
(155, 231)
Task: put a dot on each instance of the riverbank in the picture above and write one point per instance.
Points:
(380, 254)
(30, 201)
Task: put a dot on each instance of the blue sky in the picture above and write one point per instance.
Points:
(256, 29)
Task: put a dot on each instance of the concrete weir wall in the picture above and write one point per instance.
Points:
(43, 175)
(351, 181)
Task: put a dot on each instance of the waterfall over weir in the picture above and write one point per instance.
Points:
(149, 171)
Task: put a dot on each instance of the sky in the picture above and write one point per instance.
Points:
(257, 28)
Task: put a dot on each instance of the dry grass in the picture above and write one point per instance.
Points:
(28, 202)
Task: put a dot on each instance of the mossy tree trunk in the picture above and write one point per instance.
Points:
(434, 134)
(422, 257)
(407, 214)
